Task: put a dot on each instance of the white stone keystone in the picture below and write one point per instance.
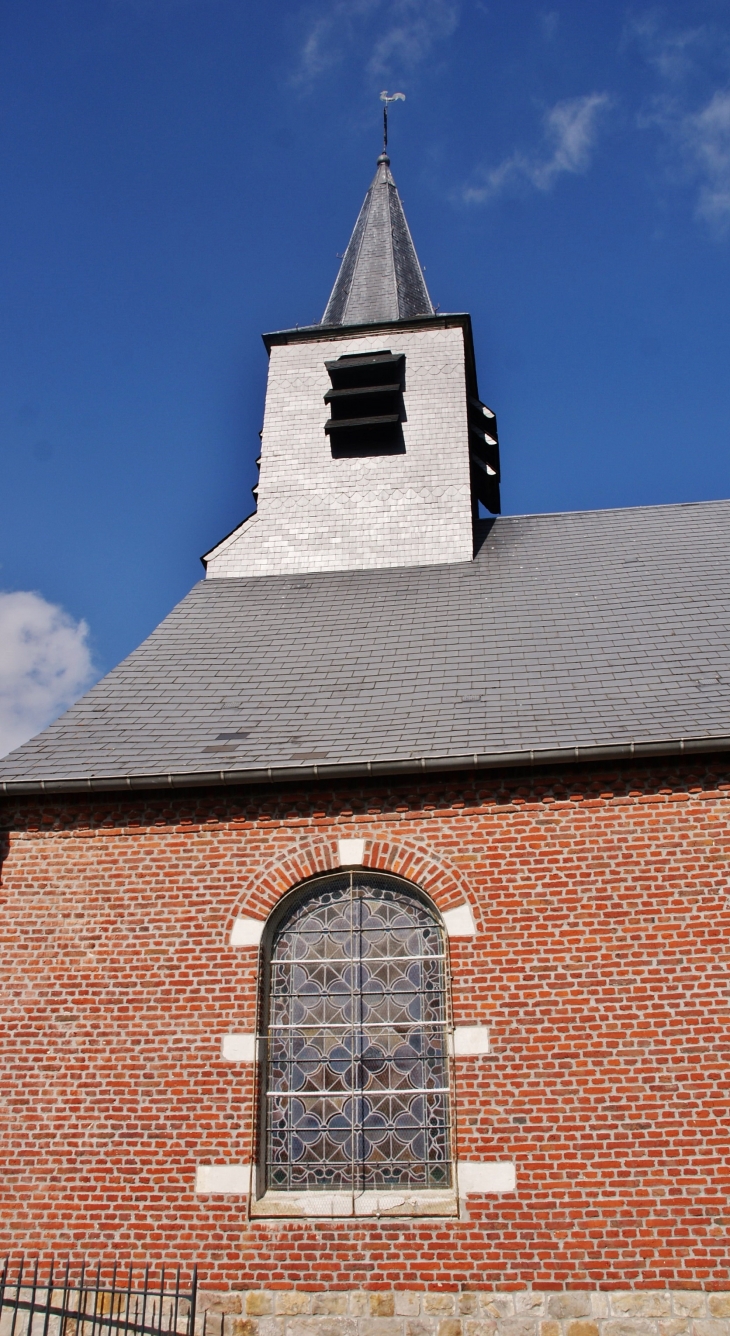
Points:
(470, 1040)
(239, 1047)
(351, 853)
(246, 931)
(223, 1178)
(459, 922)
(485, 1176)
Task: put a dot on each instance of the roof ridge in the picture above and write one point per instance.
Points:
(605, 510)
(357, 249)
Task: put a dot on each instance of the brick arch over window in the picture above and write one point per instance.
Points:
(265, 885)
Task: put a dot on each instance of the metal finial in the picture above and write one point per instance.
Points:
(385, 99)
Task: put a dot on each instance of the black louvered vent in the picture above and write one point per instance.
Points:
(484, 455)
(366, 405)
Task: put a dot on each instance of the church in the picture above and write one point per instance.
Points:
(365, 932)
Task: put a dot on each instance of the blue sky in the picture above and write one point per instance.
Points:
(179, 176)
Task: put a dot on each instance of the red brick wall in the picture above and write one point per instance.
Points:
(600, 965)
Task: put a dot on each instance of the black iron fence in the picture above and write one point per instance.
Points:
(62, 1299)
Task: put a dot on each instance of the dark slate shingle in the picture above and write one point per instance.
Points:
(582, 629)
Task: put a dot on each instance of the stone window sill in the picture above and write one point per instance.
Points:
(330, 1204)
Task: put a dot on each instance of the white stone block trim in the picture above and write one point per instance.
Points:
(246, 931)
(470, 1040)
(239, 1047)
(218, 1179)
(416, 1202)
(459, 922)
(473, 1176)
(351, 853)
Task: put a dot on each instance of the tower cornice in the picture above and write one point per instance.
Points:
(317, 333)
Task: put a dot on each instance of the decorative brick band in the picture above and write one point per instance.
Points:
(470, 1313)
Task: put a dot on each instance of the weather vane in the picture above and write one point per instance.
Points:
(385, 99)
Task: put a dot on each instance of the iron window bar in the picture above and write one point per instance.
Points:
(373, 1095)
(324, 960)
(375, 1026)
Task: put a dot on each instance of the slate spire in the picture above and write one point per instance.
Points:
(380, 277)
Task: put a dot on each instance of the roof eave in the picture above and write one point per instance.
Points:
(625, 751)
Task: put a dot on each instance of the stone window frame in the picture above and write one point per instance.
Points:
(404, 1201)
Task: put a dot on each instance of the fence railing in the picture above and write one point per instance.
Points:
(60, 1299)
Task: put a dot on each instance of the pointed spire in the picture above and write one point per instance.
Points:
(380, 277)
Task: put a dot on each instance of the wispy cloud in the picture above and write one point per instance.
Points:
(690, 107)
(393, 36)
(672, 54)
(549, 22)
(45, 663)
(415, 27)
(570, 131)
(704, 139)
(330, 32)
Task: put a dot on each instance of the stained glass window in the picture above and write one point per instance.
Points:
(356, 1089)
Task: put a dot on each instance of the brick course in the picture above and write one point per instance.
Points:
(600, 967)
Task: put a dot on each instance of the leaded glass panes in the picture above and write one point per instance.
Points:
(357, 1071)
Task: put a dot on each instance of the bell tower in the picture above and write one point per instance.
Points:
(376, 448)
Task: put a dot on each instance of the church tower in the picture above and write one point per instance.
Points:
(376, 450)
(362, 931)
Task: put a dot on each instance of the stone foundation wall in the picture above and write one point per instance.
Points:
(469, 1313)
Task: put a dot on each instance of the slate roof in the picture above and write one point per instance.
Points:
(598, 631)
(380, 277)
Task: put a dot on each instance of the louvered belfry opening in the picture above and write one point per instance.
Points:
(483, 454)
(366, 404)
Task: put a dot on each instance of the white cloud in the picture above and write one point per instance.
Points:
(672, 54)
(45, 663)
(390, 36)
(705, 139)
(329, 35)
(690, 106)
(409, 40)
(549, 23)
(570, 134)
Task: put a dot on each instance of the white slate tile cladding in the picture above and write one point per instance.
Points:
(316, 513)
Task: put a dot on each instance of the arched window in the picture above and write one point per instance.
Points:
(356, 1091)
